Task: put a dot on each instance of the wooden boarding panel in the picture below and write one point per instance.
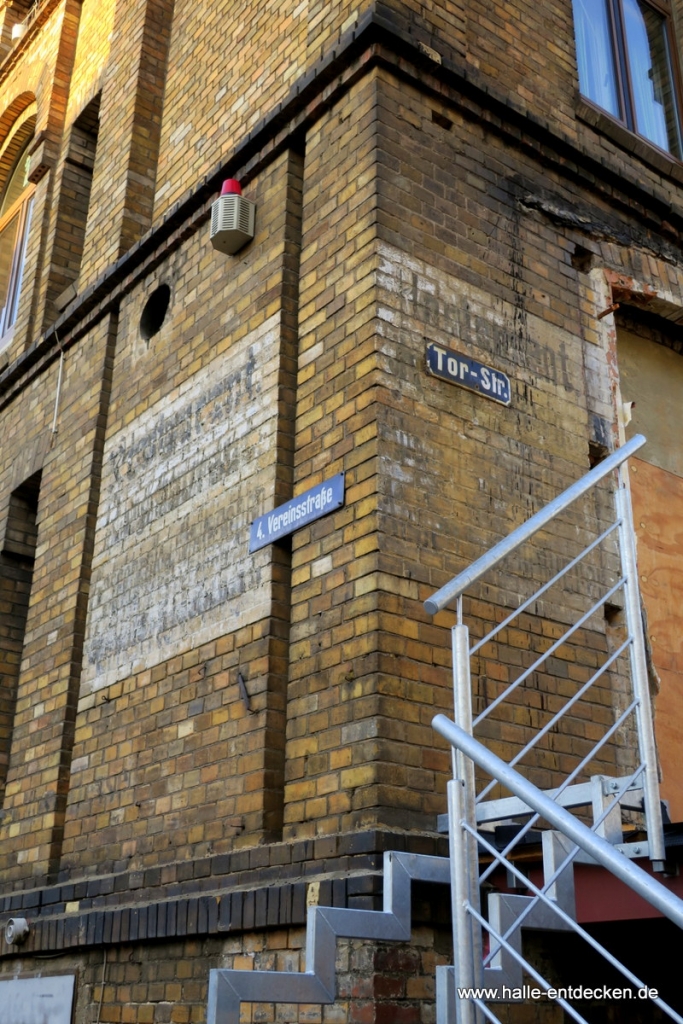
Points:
(658, 514)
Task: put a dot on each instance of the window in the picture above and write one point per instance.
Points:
(15, 219)
(625, 56)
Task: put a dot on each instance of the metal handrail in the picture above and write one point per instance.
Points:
(552, 722)
(600, 849)
(465, 977)
(457, 586)
(628, 580)
(548, 883)
(544, 589)
(558, 792)
(470, 969)
(551, 650)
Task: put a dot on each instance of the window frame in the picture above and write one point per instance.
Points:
(624, 75)
(22, 206)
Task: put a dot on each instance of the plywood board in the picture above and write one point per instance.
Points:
(651, 375)
(658, 513)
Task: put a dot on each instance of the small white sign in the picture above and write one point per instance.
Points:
(37, 1000)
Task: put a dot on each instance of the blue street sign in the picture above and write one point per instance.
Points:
(298, 512)
(468, 373)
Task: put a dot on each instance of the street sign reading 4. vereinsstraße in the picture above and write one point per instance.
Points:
(468, 373)
(294, 514)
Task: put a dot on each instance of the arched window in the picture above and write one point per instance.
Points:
(15, 219)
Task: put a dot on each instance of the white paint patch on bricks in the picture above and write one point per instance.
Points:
(180, 486)
(424, 300)
(37, 1000)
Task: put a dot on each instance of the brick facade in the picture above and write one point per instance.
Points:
(195, 740)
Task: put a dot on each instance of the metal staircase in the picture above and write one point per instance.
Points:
(482, 977)
(468, 988)
(227, 989)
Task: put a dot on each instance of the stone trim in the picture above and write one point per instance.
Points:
(265, 887)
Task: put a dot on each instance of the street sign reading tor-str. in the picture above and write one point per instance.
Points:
(294, 514)
(468, 373)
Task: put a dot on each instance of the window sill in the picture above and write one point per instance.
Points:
(634, 144)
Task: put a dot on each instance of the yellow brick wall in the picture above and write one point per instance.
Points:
(48, 685)
(386, 267)
(224, 785)
(388, 260)
(419, 221)
(243, 61)
(334, 609)
(220, 88)
(126, 163)
(92, 53)
(34, 72)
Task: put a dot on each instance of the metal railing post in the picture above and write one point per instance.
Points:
(462, 706)
(639, 675)
(464, 853)
(463, 923)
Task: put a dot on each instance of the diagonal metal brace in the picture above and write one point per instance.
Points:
(505, 909)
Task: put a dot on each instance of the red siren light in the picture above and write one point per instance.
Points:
(232, 219)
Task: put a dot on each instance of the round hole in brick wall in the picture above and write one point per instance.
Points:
(154, 313)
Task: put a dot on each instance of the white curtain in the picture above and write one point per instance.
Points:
(651, 78)
(595, 54)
